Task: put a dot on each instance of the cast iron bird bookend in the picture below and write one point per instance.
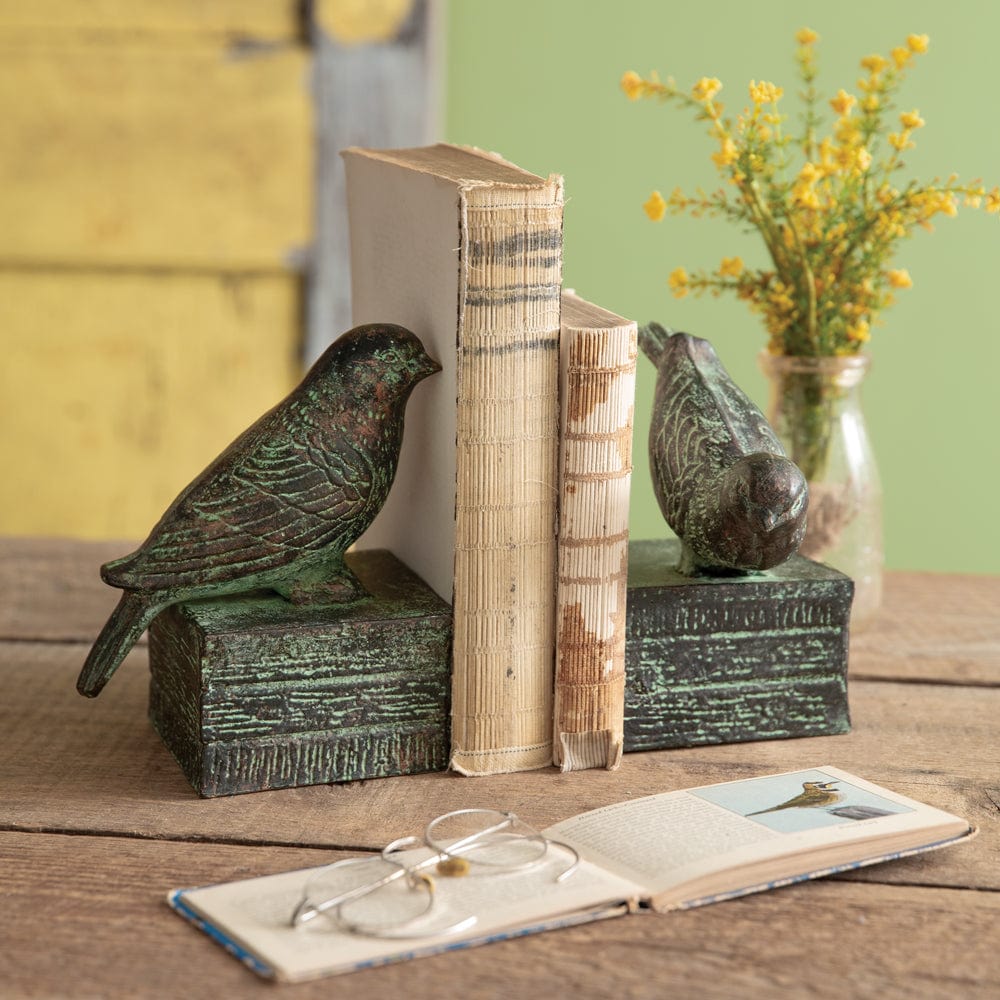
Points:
(720, 475)
(280, 505)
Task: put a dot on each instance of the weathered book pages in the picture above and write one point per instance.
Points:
(598, 352)
(465, 249)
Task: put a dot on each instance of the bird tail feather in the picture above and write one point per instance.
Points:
(653, 340)
(121, 632)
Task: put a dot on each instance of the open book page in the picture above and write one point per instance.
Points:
(252, 917)
(686, 846)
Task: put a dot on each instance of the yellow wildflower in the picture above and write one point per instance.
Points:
(900, 278)
(810, 173)
(633, 85)
(863, 160)
(764, 92)
(806, 36)
(679, 282)
(859, 331)
(911, 119)
(870, 103)
(918, 43)
(731, 267)
(706, 88)
(899, 140)
(728, 153)
(805, 195)
(901, 56)
(993, 200)
(843, 102)
(656, 207)
(874, 64)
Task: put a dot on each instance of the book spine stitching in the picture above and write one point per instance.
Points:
(598, 394)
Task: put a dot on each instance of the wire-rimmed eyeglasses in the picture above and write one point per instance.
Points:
(392, 894)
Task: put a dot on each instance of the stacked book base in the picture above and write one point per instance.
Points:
(732, 659)
(252, 693)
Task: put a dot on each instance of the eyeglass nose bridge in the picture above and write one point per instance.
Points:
(307, 909)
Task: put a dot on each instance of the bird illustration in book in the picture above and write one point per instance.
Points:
(278, 508)
(721, 476)
(814, 795)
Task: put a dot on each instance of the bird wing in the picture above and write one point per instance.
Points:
(282, 488)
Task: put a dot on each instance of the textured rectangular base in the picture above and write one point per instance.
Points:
(252, 693)
(732, 659)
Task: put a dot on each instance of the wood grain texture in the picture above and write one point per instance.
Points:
(85, 914)
(89, 178)
(116, 391)
(827, 940)
(95, 20)
(53, 590)
(933, 627)
(926, 741)
(391, 47)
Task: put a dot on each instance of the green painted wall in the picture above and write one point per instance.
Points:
(537, 80)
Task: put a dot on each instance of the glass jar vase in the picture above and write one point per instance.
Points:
(815, 409)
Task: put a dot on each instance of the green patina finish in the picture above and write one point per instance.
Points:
(731, 659)
(280, 506)
(720, 474)
(251, 692)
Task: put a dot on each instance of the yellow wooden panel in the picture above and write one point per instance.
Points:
(115, 393)
(360, 22)
(258, 18)
(154, 155)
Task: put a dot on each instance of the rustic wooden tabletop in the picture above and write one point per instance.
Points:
(97, 823)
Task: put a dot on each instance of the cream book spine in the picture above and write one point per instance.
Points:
(598, 355)
(465, 249)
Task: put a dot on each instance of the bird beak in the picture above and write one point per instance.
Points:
(426, 366)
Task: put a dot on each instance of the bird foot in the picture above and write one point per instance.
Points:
(342, 589)
(690, 564)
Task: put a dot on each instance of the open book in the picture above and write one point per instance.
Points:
(668, 851)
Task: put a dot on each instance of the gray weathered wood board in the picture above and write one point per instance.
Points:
(900, 940)
(97, 822)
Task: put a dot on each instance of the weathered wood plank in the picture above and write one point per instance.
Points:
(52, 588)
(375, 85)
(70, 763)
(261, 19)
(107, 165)
(114, 394)
(72, 902)
(933, 627)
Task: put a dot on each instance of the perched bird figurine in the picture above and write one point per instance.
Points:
(720, 474)
(280, 505)
(814, 795)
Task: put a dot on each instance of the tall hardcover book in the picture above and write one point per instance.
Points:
(465, 249)
(598, 352)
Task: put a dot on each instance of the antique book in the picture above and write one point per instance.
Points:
(465, 249)
(669, 851)
(597, 388)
